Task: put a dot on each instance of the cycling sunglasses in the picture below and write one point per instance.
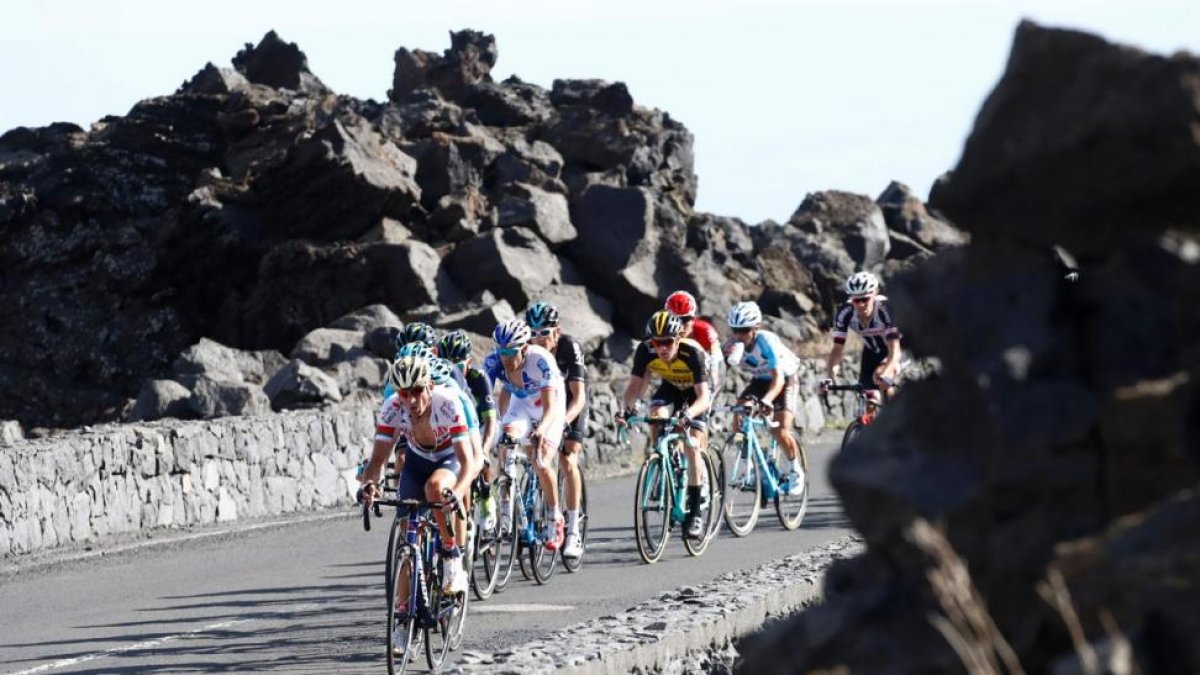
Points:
(509, 351)
(662, 342)
(541, 332)
(410, 392)
(861, 300)
(741, 331)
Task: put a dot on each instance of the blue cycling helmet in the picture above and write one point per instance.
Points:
(514, 333)
(416, 332)
(455, 346)
(414, 349)
(440, 370)
(541, 315)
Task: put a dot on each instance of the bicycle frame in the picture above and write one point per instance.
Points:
(518, 452)
(767, 471)
(671, 465)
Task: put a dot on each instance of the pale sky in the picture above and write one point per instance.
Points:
(784, 98)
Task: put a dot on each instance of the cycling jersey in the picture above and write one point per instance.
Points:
(705, 335)
(538, 373)
(878, 329)
(688, 368)
(569, 357)
(766, 354)
(479, 386)
(469, 407)
(446, 417)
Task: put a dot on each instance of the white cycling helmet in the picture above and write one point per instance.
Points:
(861, 283)
(744, 315)
(408, 372)
(512, 333)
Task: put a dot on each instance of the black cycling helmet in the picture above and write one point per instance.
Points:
(416, 332)
(455, 346)
(541, 315)
(663, 324)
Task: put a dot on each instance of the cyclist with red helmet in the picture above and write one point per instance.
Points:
(683, 305)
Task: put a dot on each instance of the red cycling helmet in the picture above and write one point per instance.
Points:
(681, 304)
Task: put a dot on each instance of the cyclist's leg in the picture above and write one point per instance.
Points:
(572, 447)
(544, 464)
(784, 416)
(443, 478)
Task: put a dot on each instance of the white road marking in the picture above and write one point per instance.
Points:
(64, 663)
(517, 607)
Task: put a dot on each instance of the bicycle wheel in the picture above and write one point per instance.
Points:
(506, 544)
(442, 606)
(652, 510)
(709, 512)
(743, 490)
(717, 505)
(790, 508)
(573, 564)
(852, 431)
(458, 621)
(526, 533)
(485, 570)
(399, 626)
(541, 559)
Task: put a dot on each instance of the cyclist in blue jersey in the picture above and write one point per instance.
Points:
(773, 385)
(455, 347)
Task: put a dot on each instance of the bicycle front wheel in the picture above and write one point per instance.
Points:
(743, 489)
(541, 559)
(573, 564)
(792, 503)
(485, 570)
(710, 514)
(852, 431)
(652, 510)
(506, 545)
(401, 627)
(443, 608)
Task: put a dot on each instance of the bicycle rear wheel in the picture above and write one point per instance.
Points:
(506, 532)
(573, 564)
(485, 570)
(743, 489)
(790, 508)
(458, 620)
(652, 510)
(401, 628)
(709, 513)
(541, 559)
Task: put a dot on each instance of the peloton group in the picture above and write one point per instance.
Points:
(439, 417)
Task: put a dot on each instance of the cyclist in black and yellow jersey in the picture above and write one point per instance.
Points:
(683, 366)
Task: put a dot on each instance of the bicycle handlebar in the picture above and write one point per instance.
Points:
(749, 411)
(856, 387)
(623, 430)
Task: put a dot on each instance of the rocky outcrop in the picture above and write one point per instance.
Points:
(1063, 410)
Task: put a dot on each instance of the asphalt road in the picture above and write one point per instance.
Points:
(306, 597)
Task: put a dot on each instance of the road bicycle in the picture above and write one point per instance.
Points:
(753, 474)
(414, 555)
(869, 402)
(660, 495)
(573, 564)
(522, 533)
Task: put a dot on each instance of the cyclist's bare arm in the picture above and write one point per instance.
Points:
(577, 400)
(549, 398)
(702, 402)
(490, 426)
(466, 460)
(502, 401)
(776, 387)
(834, 363)
(379, 454)
(634, 391)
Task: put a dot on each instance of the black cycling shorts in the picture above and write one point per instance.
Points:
(577, 430)
(866, 368)
(417, 471)
(784, 400)
(670, 395)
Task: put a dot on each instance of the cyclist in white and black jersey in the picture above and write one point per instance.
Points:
(867, 313)
(428, 424)
(532, 402)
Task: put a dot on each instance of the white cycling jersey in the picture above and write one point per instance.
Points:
(767, 353)
(447, 418)
(539, 373)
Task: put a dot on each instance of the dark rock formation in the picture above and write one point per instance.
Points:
(1061, 408)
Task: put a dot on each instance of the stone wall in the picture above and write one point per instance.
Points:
(96, 482)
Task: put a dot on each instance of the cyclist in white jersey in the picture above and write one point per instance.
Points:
(532, 402)
(428, 424)
(774, 385)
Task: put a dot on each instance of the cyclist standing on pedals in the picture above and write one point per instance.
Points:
(867, 313)
(532, 403)
(455, 347)
(428, 425)
(774, 384)
(685, 389)
(683, 305)
(543, 321)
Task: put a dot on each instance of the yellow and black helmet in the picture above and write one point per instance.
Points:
(663, 324)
